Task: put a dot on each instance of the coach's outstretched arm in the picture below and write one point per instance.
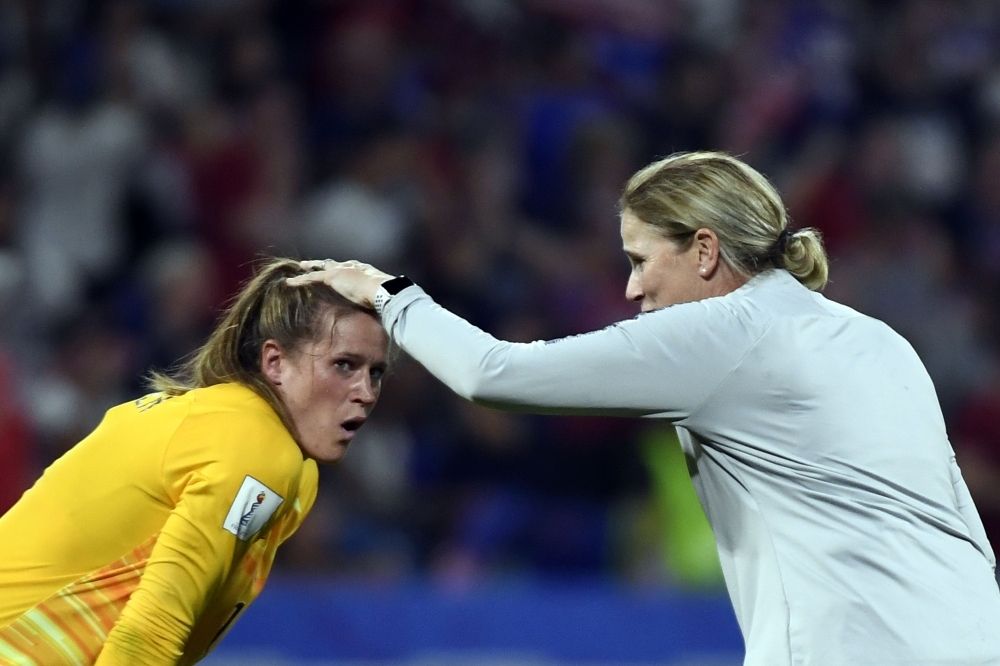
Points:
(648, 365)
(815, 435)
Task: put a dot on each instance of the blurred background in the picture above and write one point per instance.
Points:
(150, 150)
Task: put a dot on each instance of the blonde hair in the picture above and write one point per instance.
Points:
(685, 192)
(266, 308)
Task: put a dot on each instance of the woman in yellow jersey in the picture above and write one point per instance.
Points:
(147, 540)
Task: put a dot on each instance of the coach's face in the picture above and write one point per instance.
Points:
(330, 385)
(662, 273)
(665, 273)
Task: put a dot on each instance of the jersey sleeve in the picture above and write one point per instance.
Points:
(210, 463)
(664, 363)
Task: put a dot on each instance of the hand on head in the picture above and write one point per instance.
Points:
(355, 281)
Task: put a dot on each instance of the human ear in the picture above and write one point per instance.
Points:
(272, 361)
(707, 244)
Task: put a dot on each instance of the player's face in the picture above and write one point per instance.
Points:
(662, 273)
(330, 385)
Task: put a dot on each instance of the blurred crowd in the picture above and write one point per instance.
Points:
(150, 150)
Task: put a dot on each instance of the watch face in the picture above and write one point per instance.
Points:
(397, 284)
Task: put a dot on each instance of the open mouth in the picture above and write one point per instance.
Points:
(353, 425)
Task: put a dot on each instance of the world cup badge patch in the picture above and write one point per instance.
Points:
(254, 505)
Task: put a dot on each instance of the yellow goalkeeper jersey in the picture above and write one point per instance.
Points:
(145, 542)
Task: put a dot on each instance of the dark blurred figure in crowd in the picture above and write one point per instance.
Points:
(16, 439)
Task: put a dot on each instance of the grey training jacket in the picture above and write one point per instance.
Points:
(846, 532)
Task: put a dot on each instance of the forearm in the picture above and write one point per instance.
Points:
(450, 348)
(192, 556)
(621, 370)
(654, 365)
(144, 636)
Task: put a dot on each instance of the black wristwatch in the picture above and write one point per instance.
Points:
(388, 289)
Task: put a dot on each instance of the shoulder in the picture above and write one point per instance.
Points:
(730, 322)
(776, 296)
(725, 328)
(234, 409)
(232, 427)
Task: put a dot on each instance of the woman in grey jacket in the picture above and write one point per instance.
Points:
(844, 527)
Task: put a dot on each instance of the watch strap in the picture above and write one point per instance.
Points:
(388, 289)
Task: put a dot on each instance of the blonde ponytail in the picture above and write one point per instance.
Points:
(805, 258)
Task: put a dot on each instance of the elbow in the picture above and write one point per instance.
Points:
(471, 389)
(129, 644)
(481, 380)
(488, 394)
(145, 635)
(483, 388)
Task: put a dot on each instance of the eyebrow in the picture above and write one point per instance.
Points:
(351, 356)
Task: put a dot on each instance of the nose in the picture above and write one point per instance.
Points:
(633, 290)
(366, 391)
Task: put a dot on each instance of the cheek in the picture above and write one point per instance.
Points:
(332, 390)
(654, 281)
(294, 390)
(312, 390)
(663, 285)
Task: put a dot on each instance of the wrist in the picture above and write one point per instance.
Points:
(388, 289)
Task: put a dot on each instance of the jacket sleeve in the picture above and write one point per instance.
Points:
(664, 363)
(208, 464)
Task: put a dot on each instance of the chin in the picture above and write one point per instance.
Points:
(330, 454)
